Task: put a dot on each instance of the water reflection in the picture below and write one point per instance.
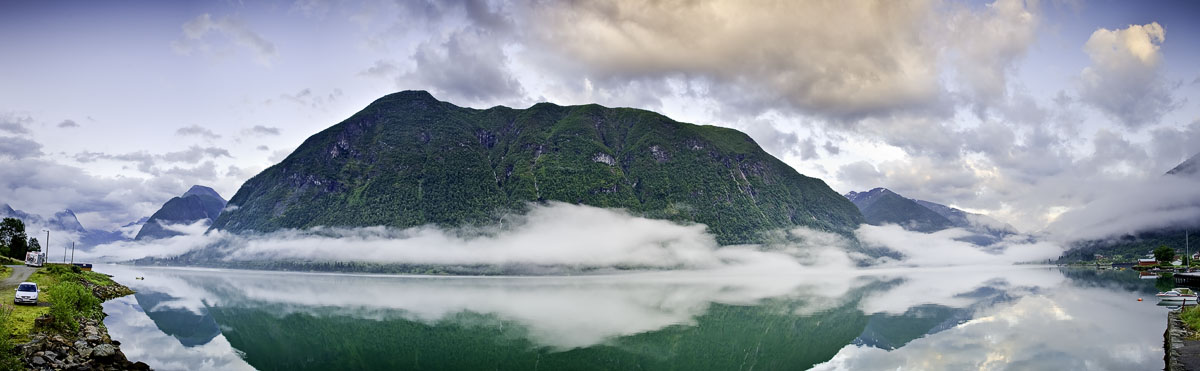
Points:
(871, 319)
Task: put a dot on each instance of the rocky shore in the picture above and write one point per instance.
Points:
(89, 349)
(1181, 351)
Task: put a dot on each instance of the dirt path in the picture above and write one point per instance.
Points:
(20, 274)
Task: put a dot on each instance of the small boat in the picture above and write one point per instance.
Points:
(1178, 294)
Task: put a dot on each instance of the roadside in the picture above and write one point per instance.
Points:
(65, 330)
(20, 273)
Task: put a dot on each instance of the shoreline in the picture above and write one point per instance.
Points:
(1180, 350)
(53, 347)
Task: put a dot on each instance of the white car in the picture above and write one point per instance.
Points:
(27, 292)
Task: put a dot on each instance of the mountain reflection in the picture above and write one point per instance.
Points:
(867, 319)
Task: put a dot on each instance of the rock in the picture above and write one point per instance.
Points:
(38, 360)
(104, 350)
(50, 355)
(93, 338)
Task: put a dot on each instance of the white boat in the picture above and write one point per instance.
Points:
(1178, 294)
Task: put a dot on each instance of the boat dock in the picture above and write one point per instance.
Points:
(1187, 279)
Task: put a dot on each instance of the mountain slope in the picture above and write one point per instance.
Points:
(198, 203)
(1189, 167)
(882, 206)
(408, 159)
(1139, 245)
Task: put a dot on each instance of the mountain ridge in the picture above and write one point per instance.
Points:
(408, 159)
(198, 203)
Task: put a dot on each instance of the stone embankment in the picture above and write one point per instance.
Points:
(90, 349)
(1181, 349)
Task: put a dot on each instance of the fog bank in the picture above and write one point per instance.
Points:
(559, 234)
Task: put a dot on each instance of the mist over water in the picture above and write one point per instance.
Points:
(559, 234)
(945, 318)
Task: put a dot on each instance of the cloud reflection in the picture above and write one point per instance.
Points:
(995, 317)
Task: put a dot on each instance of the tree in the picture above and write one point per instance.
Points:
(13, 238)
(34, 245)
(1164, 254)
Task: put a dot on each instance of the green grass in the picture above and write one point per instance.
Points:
(8, 360)
(55, 282)
(22, 318)
(1191, 317)
(5, 272)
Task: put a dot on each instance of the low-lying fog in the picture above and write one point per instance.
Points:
(583, 236)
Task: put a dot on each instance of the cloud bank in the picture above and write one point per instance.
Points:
(559, 234)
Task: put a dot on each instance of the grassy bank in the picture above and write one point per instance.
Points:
(1191, 317)
(70, 293)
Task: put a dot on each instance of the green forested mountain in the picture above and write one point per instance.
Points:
(408, 159)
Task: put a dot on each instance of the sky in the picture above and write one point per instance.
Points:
(1022, 110)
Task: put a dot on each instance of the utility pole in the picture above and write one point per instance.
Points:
(47, 252)
(65, 253)
(72, 252)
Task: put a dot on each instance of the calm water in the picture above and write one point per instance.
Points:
(1021, 318)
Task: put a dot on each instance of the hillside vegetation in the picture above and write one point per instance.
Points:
(408, 159)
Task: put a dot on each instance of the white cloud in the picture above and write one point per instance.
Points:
(232, 29)
(834, 58)
(197, 130)
(1124, 80)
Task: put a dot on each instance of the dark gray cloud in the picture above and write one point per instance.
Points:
(68, 124)
(771, 139)
(808, 149)
(263, 148)
(15, 124)
(197, 130)
(19, 148)
(468, 65)
(831, 148)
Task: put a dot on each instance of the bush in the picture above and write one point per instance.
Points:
(70, 301)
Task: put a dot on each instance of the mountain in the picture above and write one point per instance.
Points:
(1189, 167)
(882, 206)
(408, 159)
(198, 203)
(987, 229)
(65, 221)
(1132, 246)
(8, 212)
